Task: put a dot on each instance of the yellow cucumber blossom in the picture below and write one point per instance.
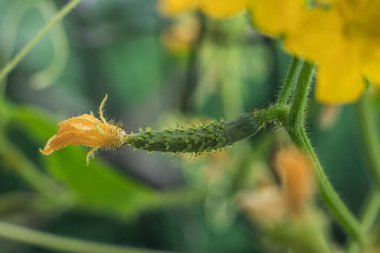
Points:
(88, 131)
(340, 36)
(274, 17)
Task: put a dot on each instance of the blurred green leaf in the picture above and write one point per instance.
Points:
(98, 185)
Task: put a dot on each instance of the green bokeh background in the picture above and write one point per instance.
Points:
(131, 198)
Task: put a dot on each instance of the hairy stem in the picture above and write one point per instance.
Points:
(290, 79)
(298, 106)
(335, 204)
(296, 130)
(55, 242)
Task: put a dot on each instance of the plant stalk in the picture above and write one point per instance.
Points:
(37, 38)
(370, 140)
(290, 78)
(296, 129)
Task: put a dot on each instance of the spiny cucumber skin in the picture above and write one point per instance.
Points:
(208, 137)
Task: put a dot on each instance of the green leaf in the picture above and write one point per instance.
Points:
(98, 185)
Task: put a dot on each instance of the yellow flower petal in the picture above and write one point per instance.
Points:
(341, 36)
(275, 17)
(338, 83)
(222, 8)
(175, 7)
(316, 36)
(371, 63)
(372, 71)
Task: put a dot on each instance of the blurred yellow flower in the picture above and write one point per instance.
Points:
(342, 38)
(273, 17)
(213, 8)
(222, 9)
(180, 36)
(175, 7)
(296, 173)
(88, 131)
(273, 203)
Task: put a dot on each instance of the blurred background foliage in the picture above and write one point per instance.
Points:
(157, 71)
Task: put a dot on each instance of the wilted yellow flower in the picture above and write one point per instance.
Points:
(88, 131)
(273, 203)
(266, 206)
(343, 39)
(297, 180)
(213, 8)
